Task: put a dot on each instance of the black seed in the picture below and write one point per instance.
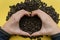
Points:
(38, 38)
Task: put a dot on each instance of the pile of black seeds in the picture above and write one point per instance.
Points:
(32, 24)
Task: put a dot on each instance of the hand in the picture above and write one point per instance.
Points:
(49, 27)
(12, 25)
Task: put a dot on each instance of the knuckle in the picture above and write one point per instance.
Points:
(22, 10)
(13, 16)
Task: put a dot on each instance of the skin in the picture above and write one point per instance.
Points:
(12, 25)
(49, 27)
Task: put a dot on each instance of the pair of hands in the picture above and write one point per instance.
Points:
(49, 27)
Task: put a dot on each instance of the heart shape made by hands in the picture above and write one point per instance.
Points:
(30, 24)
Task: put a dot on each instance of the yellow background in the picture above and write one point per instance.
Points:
(4, 8)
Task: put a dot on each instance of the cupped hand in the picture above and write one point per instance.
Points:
(49, 27)
(12, 25)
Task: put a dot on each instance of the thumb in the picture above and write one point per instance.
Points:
(37, 33)
(24, 33)
(41, 32)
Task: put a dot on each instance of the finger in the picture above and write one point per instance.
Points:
(22, 13)
(37, 33)
(41, 14)
(24, 33)
(18, 15)
(33, 13)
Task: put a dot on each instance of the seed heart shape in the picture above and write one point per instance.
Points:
(30, 24)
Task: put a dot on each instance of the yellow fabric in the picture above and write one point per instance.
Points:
(4, 8)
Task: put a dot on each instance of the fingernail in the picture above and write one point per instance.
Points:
(30, 13)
